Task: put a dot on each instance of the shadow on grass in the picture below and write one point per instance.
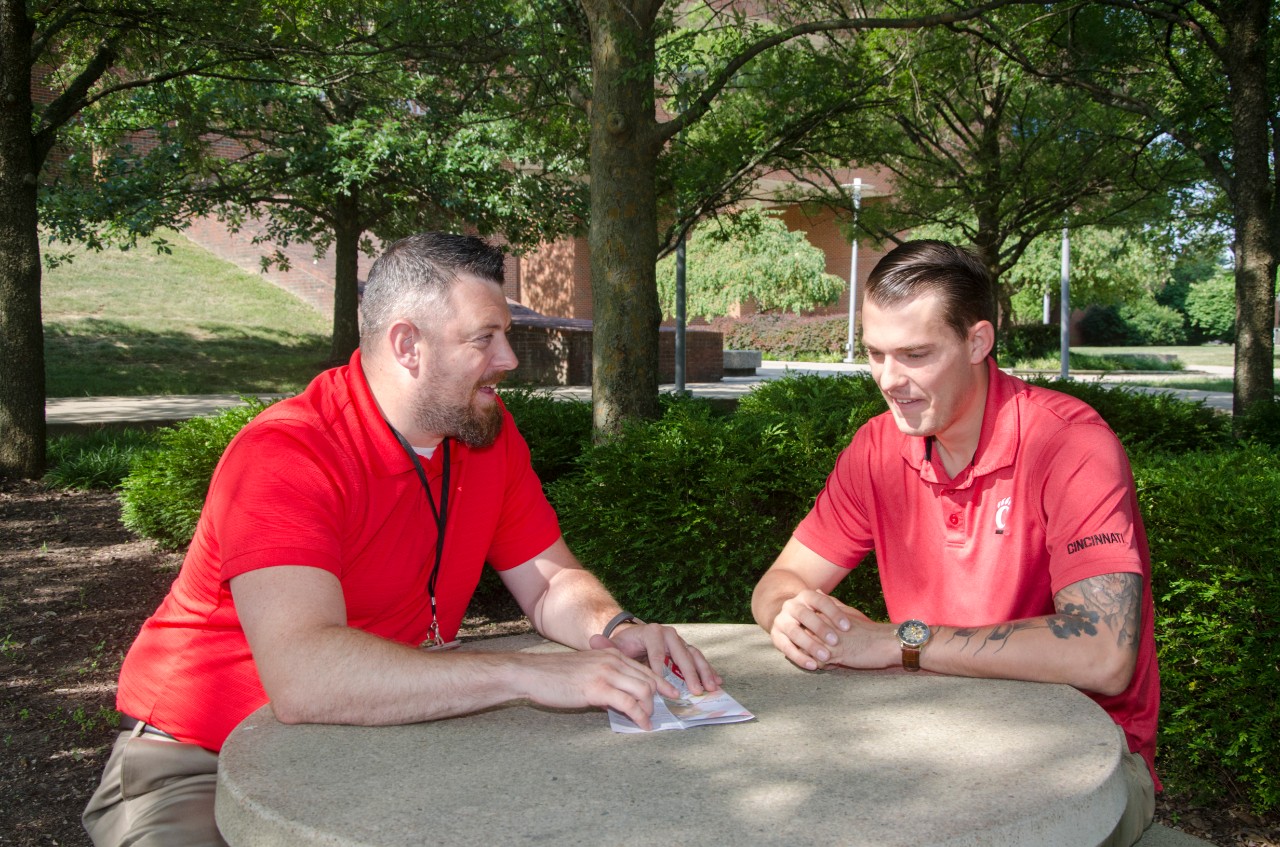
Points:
(94, 357)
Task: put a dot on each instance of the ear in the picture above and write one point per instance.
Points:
(402, 342)
(982, 340)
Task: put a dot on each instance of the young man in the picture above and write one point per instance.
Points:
(343, 535)
(1003, 516)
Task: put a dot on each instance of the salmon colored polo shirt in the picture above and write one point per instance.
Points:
(320, 480)
(1049, 500)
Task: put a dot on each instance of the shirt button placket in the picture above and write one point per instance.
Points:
(954, 519)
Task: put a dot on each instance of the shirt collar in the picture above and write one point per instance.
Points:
(997, 441)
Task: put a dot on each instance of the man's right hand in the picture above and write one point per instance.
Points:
(604, 678)
(808, 628)
(815, 630)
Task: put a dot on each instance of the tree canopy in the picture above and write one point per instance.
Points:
(757, 260)
(973, 144)
(1205, 75)
(396, 122)
(77, 55)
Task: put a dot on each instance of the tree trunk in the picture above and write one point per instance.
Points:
(623, 233)
(1252, 195)
(987, 233)
(346, 278)
(22, 381)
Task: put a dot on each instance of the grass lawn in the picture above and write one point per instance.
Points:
(138, 322)
(1191, 356)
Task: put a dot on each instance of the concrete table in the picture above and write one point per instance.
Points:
(834, 758)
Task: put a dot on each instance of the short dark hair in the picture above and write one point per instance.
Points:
(415, 274)
(956, 275)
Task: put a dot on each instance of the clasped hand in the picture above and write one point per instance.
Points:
(814, 630)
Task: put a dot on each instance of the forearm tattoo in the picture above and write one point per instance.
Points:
(1109, 602)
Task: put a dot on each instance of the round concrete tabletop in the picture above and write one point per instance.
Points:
(839, 757)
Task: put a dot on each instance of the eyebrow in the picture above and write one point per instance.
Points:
(913, 348)
(491, 325)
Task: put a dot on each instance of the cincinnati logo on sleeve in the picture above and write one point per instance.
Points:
(1094, 540)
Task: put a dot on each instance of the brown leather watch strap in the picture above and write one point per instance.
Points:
(911, 658)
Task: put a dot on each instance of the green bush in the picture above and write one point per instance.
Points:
(1102, 326)
(1211, 306)
(164, 492)
(557, 430)
(1152, 323)
(1142, 323)
(676, 516)
(1147, 422)
(1211, 522)
(680, 517)
(1260, 424)
(822, 338)
(99, 459)
(1022, 342)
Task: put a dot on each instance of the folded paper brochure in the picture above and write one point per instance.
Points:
(686, 711)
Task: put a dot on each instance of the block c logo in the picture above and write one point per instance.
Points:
(1002, 514)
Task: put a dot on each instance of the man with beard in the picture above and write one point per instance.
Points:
(343, 535)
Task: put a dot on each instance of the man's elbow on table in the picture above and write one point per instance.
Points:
(305, 688)
(286, 713)
(1111, 673)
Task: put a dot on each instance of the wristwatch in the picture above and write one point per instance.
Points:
(913, 634)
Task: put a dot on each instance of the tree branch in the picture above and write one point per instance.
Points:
(702, 103)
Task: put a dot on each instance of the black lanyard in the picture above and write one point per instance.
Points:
(442, 518)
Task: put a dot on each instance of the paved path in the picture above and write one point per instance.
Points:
(64, 414)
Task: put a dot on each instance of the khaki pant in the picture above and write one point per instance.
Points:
(154, 793)
(1141, 806)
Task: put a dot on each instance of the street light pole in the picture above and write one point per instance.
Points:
(1064, 331)
(853, 268)
(680, 317)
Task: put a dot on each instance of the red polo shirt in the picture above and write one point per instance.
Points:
(319, 480)
(1049, 500)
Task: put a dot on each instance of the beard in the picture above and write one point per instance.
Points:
(473, 427)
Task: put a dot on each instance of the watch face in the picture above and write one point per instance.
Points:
(913, 633)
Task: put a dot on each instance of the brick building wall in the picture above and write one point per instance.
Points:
(822, 229)
(555, 279)
(703, 355)
(552, 351)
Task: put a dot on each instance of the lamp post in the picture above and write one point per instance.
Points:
(681, 286)
(680, 317)
(853, 267)
(1064, 332)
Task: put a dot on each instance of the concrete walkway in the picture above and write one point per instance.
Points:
(66, 414)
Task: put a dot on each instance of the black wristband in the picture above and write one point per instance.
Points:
(618, 619)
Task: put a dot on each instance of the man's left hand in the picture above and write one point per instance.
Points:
(658, 643)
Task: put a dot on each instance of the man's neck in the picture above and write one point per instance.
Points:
(958, 444)
(398, 415)
(954, 461)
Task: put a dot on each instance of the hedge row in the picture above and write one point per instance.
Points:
(787, 337)
(680, 517)
(1140, 323)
